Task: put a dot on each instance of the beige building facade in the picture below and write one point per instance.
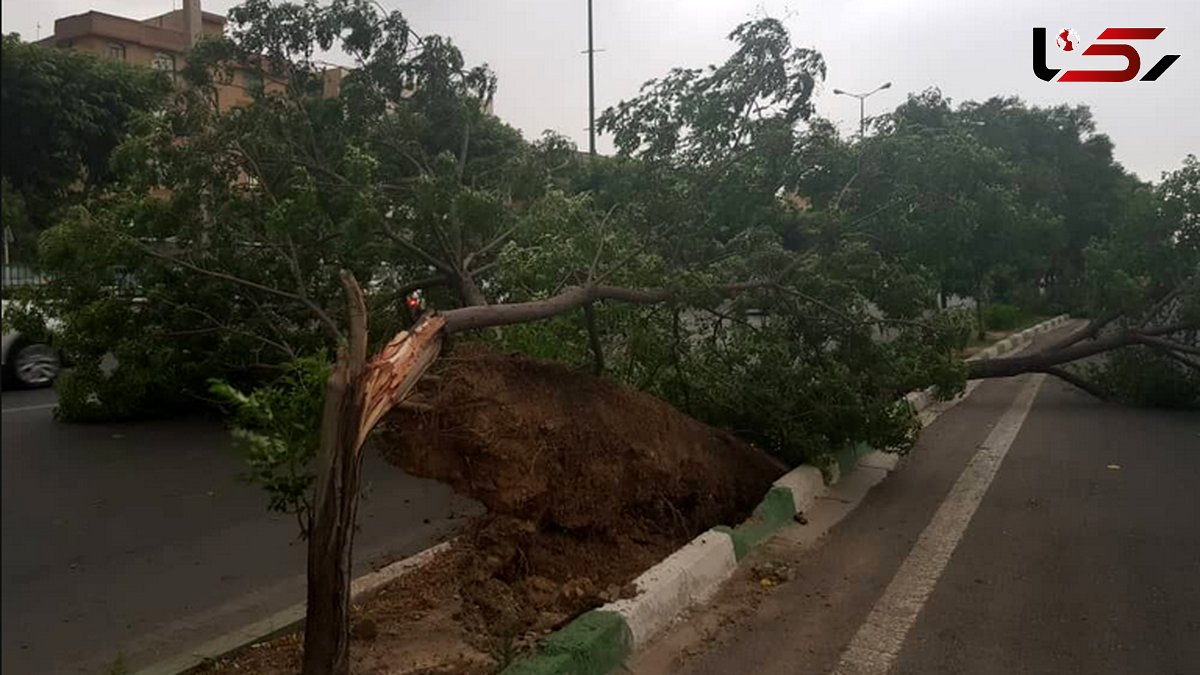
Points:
(160, 42)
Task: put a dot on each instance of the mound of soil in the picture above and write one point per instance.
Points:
(587, 483)
(571, 452)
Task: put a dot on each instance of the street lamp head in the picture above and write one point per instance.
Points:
(838, 91)
(886, 85)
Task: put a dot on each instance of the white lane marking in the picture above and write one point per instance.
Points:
(27, 408)
(878, 641)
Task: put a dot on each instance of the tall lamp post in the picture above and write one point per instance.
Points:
(862, 109)
(591, 52)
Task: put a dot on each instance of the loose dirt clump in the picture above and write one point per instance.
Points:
(570, 452)
(587, 485)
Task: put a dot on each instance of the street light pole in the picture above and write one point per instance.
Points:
(591, 87)
(862, 105)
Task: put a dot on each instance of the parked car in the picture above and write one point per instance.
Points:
(26, 362)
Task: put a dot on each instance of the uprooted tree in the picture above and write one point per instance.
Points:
(738, 258)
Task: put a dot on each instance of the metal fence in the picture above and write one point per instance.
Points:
(17, 275)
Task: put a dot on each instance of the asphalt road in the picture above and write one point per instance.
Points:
(1082, 555)
(140, 540)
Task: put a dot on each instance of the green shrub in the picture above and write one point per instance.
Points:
(141, 388)
(1003, 317)
(277, 427)
(960, 325)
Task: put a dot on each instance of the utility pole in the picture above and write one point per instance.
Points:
(591, 52)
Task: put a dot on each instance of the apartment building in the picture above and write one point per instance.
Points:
(161, 42)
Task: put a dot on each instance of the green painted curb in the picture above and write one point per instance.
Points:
(776, 510)
(596, 643)
(847, 458)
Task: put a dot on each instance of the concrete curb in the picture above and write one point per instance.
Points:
(595, 643)
(1019, 339)
(285, 620)
(687, 577)
(691, 575)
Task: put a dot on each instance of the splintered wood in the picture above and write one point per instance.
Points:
(394, 372)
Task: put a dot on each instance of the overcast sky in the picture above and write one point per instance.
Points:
(971, 49)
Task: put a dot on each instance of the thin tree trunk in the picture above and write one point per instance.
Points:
(331, 539)
(979, 302)
(470, 291)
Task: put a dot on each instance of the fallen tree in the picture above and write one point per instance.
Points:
(1049, 359)
(1165, 324)
(359, 394)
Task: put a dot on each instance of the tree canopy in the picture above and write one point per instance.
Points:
(798, 271)
(61, 115)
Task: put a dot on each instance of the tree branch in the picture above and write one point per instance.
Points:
(1157, 307)
(1091, 330)
(1073, 379)
(293, 259)
(488, 247)
(321, 314)
(485, 268)
(1179, 358)
(1039, 362)
(488, 316)
(421, 253)
(221, 326)
(1167, 345)
(591, 276)
(427, 282)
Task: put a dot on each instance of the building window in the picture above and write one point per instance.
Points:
(116, 51)
(164, 62)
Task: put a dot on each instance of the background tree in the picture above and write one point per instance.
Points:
(61, 115)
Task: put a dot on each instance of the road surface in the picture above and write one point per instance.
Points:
(139, 540)
(1069, 545)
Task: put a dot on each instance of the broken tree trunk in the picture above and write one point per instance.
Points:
(331, 537)
(357, 396)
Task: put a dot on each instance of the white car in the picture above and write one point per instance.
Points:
(27, 363)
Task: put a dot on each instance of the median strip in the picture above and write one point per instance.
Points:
(599, 641)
